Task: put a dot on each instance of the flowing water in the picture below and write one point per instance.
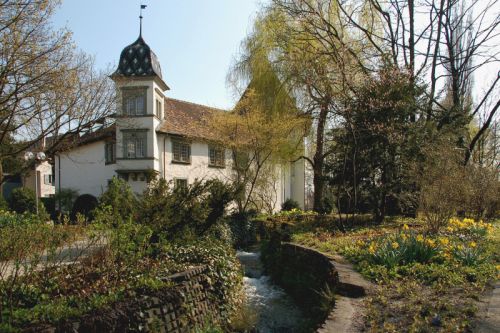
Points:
(275, 310)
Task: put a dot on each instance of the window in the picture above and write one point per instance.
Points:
(110, 152)
(180, 183)
(216, 157)
(134, 144)
(181, 152)
(158, 108)
(48, 180)
(134, 102)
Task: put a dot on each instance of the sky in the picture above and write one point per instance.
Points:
(196, 41)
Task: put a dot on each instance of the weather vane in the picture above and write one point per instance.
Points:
(140, 19)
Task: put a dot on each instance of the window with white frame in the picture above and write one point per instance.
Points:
(216, 157)
(181, 152)
(48, 179)
(134, 102)
(134, 144)
(110, 152)
(158, 109)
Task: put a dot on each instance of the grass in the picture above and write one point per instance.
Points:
(425, 282)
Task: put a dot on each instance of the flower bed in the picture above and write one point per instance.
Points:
(427, 281)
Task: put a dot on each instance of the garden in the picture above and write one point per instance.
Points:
(425, 280)
(54, 273)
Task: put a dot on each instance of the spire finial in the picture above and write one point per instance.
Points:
(140, 20)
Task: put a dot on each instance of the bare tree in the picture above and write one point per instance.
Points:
(48, 91)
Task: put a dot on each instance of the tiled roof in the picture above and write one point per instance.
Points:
(100, 134)
(138, 59)
(188, 119)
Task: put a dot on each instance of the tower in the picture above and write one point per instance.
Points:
(140, 93)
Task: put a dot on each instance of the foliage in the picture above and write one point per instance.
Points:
(11, 219)
(484, 197)
(184, 212)
(23, 199)
(376, 145)
(224, 269)
(262, 136)
(289, 204)
(4, 205)
(114, 262)
(243, 229)
(447, 187)
(27, 245)
(65, 198)
(420, 275)
(120, 198)
(444, 188)
(401, 250)
(42, 64)
(84, 205)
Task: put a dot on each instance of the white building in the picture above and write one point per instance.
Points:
(155, 134)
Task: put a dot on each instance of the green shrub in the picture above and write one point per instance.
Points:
(243, 230)
(84, 205)
(23, 199)
(64, 199)
(120, 198)
(184, 212)
(12, 219)
(290, 204)
(4, 205)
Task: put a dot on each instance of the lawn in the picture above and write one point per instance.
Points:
(426, 282)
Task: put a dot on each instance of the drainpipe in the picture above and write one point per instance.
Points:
(164, 153)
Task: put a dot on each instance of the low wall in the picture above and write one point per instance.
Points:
(307, 275)
(190, 302)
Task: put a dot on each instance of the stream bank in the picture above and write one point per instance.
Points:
(275, 310)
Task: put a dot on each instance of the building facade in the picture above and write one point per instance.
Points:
(154, 135)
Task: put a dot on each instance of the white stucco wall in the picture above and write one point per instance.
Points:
(198, 168)
(84, 169)
(44, 190)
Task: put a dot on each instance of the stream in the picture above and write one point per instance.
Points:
(275, 310)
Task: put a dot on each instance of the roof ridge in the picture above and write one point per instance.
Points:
(196, 104)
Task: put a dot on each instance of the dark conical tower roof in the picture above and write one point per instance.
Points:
(137, 60)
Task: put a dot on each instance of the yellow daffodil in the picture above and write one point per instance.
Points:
(405, 227)
(372, 249)
(472, 244)
(395, 245)
(468, 221)
(430, 242)
(420, 238)
(444, 241)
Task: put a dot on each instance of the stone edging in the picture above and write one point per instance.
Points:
(179, 308)
(352, 287)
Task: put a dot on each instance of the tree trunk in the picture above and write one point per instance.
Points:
(319, 159)
(1, 178)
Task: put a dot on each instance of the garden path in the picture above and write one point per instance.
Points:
(65, 255)
(347, 315)
(489, 314)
